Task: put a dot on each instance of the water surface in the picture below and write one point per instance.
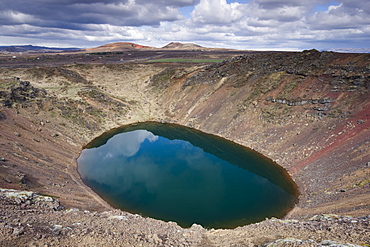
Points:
(174, 173)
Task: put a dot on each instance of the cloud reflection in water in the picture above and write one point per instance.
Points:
(174, 180)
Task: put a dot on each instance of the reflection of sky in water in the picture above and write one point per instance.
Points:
(157, 176)
(120, 163)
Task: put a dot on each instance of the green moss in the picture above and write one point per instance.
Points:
(41, 72)
(363, 182)
(94, 112)
(277, 114)
(289, 87)
(185, 60)
(107, 54)
(5, 84)
(163, 78)
(264, 85)
(56, 197)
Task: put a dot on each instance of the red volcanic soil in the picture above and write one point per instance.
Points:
(348, 131)
(118, 46)
(325, 146)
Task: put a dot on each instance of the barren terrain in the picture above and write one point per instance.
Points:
(308, 111)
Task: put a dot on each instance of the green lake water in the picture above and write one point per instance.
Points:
(175, 173)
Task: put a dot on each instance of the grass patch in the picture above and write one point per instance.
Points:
(42, 194)
(185, 60)
(363, 182)
(163, 79)
(5, 84)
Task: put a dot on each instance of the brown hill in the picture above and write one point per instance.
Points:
(182, 46)
(118, 46)
(190, 46)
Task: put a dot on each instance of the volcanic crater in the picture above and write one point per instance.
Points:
(307, 111)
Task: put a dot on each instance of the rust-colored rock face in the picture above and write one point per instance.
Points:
(307, 111)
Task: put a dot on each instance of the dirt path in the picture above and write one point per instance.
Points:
(71, 170)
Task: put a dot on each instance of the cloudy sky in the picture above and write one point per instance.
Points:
(239, 24)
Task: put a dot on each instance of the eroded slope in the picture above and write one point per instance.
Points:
(307, 111)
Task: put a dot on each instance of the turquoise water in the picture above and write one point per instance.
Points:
(174, 173)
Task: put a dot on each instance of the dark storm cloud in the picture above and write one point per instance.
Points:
(71, 13)
(273, 4)
(174, 3)
(260, 24)
(357, 4)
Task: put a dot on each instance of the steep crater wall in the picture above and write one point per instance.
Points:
(307, 111)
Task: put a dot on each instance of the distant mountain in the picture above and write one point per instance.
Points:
(118, 46)
(182, 46)
(127, 46)
(351, 50)
(31, 48)
(111, 47)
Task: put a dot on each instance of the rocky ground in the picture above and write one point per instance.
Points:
(306, 111)
(30, 219)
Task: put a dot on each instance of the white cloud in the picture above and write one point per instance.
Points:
(270, 24)
(115, 164)
(281, 14)
(340, 17)
(13, 17)
(217, 12)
